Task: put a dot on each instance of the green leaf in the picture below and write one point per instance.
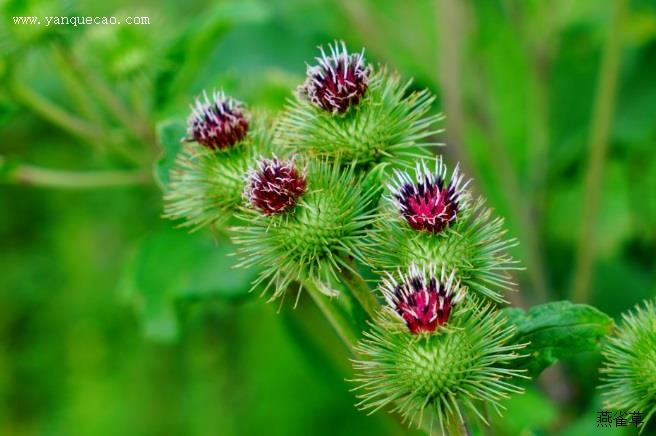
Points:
(169, 136)
(556, 331)
(169, 266)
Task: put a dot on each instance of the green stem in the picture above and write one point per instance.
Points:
(75, 86)
(334, 314)
(326, 355)
(345, 317)
(137, 125)
(598, 142)
(360, 290)
(90, 133)
(452, 17)
(456, 427)
(55, 114)
(36, 176)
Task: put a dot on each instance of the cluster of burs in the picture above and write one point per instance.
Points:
(345, 178)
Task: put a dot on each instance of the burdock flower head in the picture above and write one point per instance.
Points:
(430, 218)
(206, 185)
(421, 300)
(346, 110)
(629, 373)
(428, 202)
(338, 82)
(275, 186)
(433, 350)
(308, 243)
(217, 124)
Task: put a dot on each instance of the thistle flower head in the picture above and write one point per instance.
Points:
(275, 186)
(206, 187)
(428, 202)
(390, 122)
(455, 233)
(436, 373)
(629, 372)
(218, 124)
(422, 298)
(313, 240)
(338, 82)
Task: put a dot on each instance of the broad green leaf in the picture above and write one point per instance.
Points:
(169, 136)
(170, 266)
(556, 331)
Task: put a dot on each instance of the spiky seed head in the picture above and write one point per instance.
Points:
(428, 202)
(437, 372)
(275, 186)
(423, 299)
(217, 124)
(629, 371)
(338, 82)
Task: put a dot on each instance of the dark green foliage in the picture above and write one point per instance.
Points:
(556, 331)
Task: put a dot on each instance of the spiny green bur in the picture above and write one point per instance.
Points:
(388, 124)
(436, 363)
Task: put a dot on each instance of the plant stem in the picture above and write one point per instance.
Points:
(457, 427)
(90, 133)
(55, 114)
(334, 314)
(75, 86)
(360, 290)
(37, 176)
(137, 125)
(453, 35)
(453, 32)
(598, 142)
(339, 316)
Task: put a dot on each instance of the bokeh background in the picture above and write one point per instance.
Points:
(114, 323)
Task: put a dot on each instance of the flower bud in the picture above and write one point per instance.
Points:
(432, 222)
(424, 361)
(629, 372)
(218, 124)
(421, 300)
(345, 110)
(274, 187)
(338, 82)
(206, 186)
(313, 240)
(429, 203)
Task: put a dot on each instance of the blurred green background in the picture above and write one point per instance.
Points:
(112, 322)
